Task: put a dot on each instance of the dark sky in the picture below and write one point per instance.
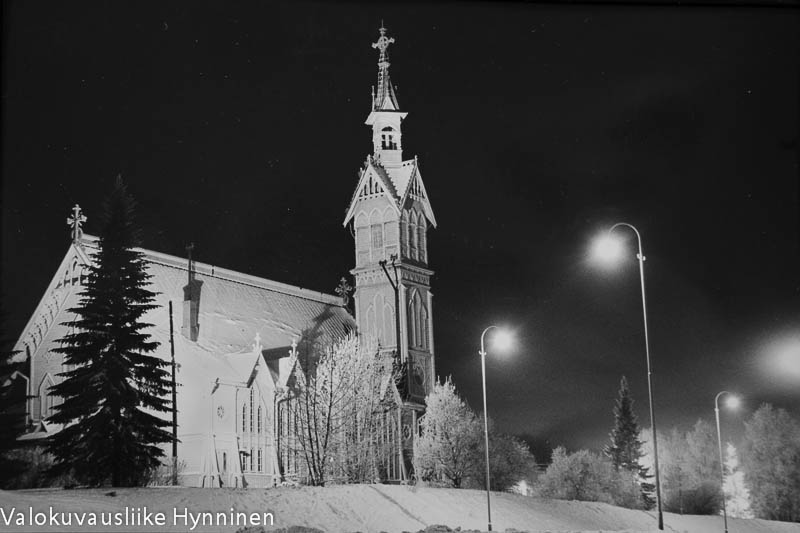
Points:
(239, 126)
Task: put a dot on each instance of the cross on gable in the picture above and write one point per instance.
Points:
(75, 221)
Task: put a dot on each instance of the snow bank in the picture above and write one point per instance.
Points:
(366, 508)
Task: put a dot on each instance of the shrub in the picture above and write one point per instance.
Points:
(587, 476)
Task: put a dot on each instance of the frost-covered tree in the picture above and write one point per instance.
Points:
(771, 463)
(625, 449)
(112, 389)
(510, 460)
(736, 493)
(689, 462)
(448, 446)
(336, 405)
(588, 476)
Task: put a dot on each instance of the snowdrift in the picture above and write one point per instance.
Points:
(366, 508)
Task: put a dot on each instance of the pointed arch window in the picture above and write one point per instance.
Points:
(412, 236)
(421, 241)
(258, 418)
(244, 418)
(376, 236)
(252, 395)
(46, 399)
(417, 322)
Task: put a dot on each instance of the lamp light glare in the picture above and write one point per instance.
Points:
(732, 402)
(502, 340)
(608, 249)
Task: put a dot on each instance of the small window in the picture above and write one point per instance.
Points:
(258, 418)
(244, 418)
(260, 463)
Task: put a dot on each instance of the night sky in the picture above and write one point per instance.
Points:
(240, 127)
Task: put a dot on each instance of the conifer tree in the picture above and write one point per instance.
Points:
(12, 409)
(625, 450)
(112, 389)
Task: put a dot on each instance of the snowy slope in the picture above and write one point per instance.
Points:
(375, 508)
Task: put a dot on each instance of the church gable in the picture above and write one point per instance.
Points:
(47, 325)
(374, 183)
(60, 295)
(415, 191)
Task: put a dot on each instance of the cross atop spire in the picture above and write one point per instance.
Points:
(76, 221)
(385, 98)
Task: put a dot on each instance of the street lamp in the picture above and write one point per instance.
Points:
(731, 402)
(502, 340)
(608, 249)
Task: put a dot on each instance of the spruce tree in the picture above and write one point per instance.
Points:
(625, 450)
(12, 410)
(112, 389)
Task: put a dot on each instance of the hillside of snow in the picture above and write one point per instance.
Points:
(365, 508)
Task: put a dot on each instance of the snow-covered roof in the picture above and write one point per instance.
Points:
(401, 176)
(233, 308)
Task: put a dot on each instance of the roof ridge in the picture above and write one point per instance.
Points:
(213, 271)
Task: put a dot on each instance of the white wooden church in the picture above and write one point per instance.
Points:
(238, 339)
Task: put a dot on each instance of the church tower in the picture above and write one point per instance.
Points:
(390, 216)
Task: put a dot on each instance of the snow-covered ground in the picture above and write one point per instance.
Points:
(350, 508)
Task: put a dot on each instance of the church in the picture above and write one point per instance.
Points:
(238, 339)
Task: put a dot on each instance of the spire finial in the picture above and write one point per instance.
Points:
(257, 344)
(383, 67)
(76, 221)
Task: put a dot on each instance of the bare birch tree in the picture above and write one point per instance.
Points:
(336, 404)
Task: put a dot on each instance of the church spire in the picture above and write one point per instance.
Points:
(384, 99)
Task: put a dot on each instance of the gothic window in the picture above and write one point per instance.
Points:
(421, 244)
(244, 418)
(390, 232)
(362, 239)
(252, 391)
(377, 236)
(251, 459)
(260, 428)
(46, 400)
(260, 461)
(412, 236)
(404, 232)
(417, 322)
(224, 462)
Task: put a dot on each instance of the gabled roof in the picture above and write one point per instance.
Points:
(398, 183)
(373, 181)
(234, 307)
(415, 188)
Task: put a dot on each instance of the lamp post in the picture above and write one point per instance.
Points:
(611, 249)
(733, 401)
(505, 338)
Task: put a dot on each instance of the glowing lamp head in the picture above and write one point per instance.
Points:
(502, 340)
(732, 402)
(608, 249)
